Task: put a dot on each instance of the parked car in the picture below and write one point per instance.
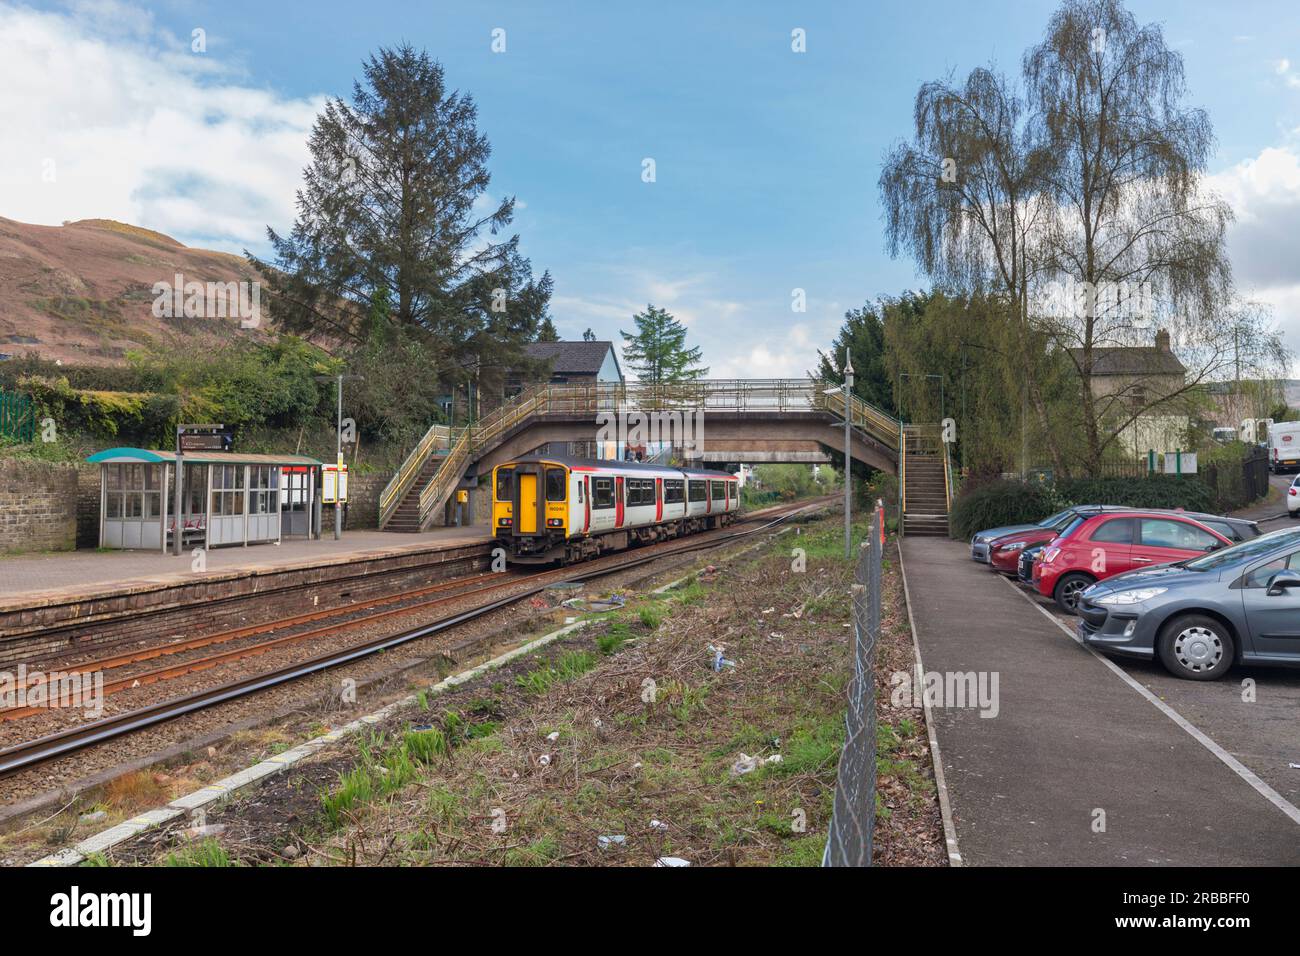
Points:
(1293, 497)
(1239, 604)
(1004, 552)
(1025, 569)
(1094, 548)
(980, 541)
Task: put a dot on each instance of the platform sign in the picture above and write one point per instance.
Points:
(334, 484)
(202, 438)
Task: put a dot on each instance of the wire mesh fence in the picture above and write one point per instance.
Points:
(854, 812)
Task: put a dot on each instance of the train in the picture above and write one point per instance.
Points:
(554, 508)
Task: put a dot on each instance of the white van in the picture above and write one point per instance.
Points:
(1284, 447)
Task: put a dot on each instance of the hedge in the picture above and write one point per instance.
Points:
(999, 503)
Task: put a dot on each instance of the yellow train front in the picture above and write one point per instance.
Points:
(555, 508)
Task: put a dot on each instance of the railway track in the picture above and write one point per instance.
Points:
(52, 746)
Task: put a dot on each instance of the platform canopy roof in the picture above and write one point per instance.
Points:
(111, 456)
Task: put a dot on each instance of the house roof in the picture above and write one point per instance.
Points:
(573, 358)
(1132, 360)
(120, 455)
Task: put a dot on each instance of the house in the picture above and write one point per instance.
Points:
(577, 362)
(1128, 378)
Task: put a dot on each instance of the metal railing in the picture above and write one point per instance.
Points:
(445, 479)
(405, 476)
(730, 395)
(853, 816)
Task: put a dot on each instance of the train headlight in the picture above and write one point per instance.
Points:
(503, 521)
(554, 522)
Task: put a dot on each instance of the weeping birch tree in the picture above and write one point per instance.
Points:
(1079, 198)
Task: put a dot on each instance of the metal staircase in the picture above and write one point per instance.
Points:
(925, 478)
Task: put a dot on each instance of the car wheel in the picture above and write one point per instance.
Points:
(1069, 588)
(1196, 647)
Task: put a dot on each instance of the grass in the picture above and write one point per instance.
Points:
(569, 665)
(624, 758)
(206, 852)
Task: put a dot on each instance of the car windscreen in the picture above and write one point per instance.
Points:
(1052, 521)
(1246, 551)
(1072, 527)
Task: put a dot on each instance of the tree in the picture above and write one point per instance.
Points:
(391, 205)
(589, 336)
(546, 330)
(963, 199)
(657, 351)
(1078, 203)
(863, 335)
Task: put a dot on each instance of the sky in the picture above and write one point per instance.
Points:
(766, 160)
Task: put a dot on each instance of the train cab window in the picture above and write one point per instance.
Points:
(674, 491)
(719, 490)
(602, 492)
(698, 491)
(555, 484)
(505, 484)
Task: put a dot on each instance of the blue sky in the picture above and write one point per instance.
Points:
(766, 159)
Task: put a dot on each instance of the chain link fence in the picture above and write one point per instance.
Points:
(854, 813)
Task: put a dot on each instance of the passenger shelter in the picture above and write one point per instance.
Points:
(227, 498)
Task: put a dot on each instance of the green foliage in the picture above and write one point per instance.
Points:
(998, 503)
(793, 481)
(863, 334)
(1157, 491)
(425, 250)
(569, 665)
(656, 353)
(204, 853)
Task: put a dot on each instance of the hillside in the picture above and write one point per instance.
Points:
(82, 292)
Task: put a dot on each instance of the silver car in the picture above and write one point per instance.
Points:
(1201, 616)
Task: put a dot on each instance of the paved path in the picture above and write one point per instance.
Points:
(42, 573)
(1070, 737)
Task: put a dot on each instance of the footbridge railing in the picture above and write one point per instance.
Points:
(717, 395)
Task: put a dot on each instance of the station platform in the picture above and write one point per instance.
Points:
(82, 573)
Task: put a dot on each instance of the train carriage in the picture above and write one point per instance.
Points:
(554, 508)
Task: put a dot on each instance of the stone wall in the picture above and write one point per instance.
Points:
(88, 501)
(38, 506)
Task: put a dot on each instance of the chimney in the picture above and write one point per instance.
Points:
(1162, 340)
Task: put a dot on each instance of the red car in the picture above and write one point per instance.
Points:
(1104, 545)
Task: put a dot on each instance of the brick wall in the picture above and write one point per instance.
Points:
(38, 506)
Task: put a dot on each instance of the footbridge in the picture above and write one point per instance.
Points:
(747, 419)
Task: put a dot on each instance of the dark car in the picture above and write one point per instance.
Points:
(1200, 616)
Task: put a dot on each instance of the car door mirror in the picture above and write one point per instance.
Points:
(1282, 581)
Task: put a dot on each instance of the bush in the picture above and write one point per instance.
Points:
(1157, 491)
(997, 503)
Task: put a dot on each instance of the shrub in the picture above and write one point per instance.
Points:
(1157, 491)
(1002, 502)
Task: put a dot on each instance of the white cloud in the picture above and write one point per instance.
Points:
(136, 127)
(1264, 193)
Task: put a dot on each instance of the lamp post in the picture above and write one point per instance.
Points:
(338, 461)
(848, 455)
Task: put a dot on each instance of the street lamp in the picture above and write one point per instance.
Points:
(338, 462)
(848, 453)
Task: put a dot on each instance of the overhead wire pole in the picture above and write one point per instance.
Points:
(848, 456)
